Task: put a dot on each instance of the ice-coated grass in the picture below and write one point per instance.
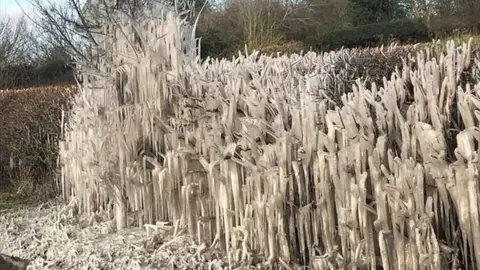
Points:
(54, 236)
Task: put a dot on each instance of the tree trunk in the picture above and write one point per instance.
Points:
(120, 210)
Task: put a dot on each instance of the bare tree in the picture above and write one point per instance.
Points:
(14, 41)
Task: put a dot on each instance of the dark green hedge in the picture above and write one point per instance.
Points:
(372, 35)
(25, 75)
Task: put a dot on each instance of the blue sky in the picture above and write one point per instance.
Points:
(11, 8)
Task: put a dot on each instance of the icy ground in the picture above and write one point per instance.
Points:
(52, 236)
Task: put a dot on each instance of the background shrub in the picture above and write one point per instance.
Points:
(29, 75)
(452, 26)
(372, 35)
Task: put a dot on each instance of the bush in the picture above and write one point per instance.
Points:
(26, 75)
(31, 127)
(403, 31)
(287, 47)
(213, 44)
(445, 27)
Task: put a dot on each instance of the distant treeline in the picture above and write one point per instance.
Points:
(268, 26)
(226, 27)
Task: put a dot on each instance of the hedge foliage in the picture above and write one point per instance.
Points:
(26, 75)
(30, 128)
(370, 35)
